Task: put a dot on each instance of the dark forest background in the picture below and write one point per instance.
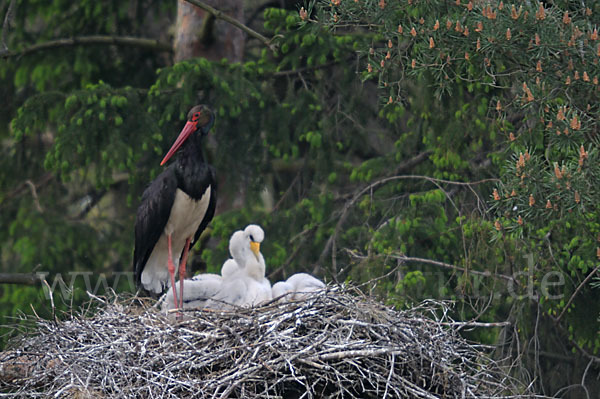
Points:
(434, 149)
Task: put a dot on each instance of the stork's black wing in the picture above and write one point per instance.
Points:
(152, 216)
(210, 211)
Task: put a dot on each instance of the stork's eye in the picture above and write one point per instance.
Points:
(196, 116)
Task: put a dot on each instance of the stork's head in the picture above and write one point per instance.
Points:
(256, 235)
(199, 120)
(242, 240)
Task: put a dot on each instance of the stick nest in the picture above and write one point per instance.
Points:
(337, 343)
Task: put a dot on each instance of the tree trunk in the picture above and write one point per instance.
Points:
(199, 34)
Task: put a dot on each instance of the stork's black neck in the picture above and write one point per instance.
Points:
(191, 150)
(192, 172)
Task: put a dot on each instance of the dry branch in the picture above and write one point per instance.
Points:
(21, 278)
(220, 15)
(338, 343)
(6, 25)
(151, 44)
(331, 245)
(568, 305)
(453, 267)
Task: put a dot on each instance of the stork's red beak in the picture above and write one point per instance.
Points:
(188, 129)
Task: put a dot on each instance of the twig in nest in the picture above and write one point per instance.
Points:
(336, 343)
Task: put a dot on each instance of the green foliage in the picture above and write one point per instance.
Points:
(97, 116)
(544, 103)
(518, 84)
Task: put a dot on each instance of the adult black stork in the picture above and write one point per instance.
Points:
(175, 209)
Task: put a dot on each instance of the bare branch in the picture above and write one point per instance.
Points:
(579, 287)
(22, 188)
(5, 25)
(300, 70)
(151, 44)
(20, 278)
(331, 243)
(36, 199)
(478, 324)
(452, 267)
(412, 162)
(441, 264)
(220, 15)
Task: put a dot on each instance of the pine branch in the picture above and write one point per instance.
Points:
(151, 44)
(220, 15)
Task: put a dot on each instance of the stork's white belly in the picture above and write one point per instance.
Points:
(185, 218)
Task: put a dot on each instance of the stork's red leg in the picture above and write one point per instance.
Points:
(182, 271)
(171, 268)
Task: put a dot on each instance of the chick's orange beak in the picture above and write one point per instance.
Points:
(255, 247)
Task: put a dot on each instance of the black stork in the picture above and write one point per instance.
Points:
(175, 209)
